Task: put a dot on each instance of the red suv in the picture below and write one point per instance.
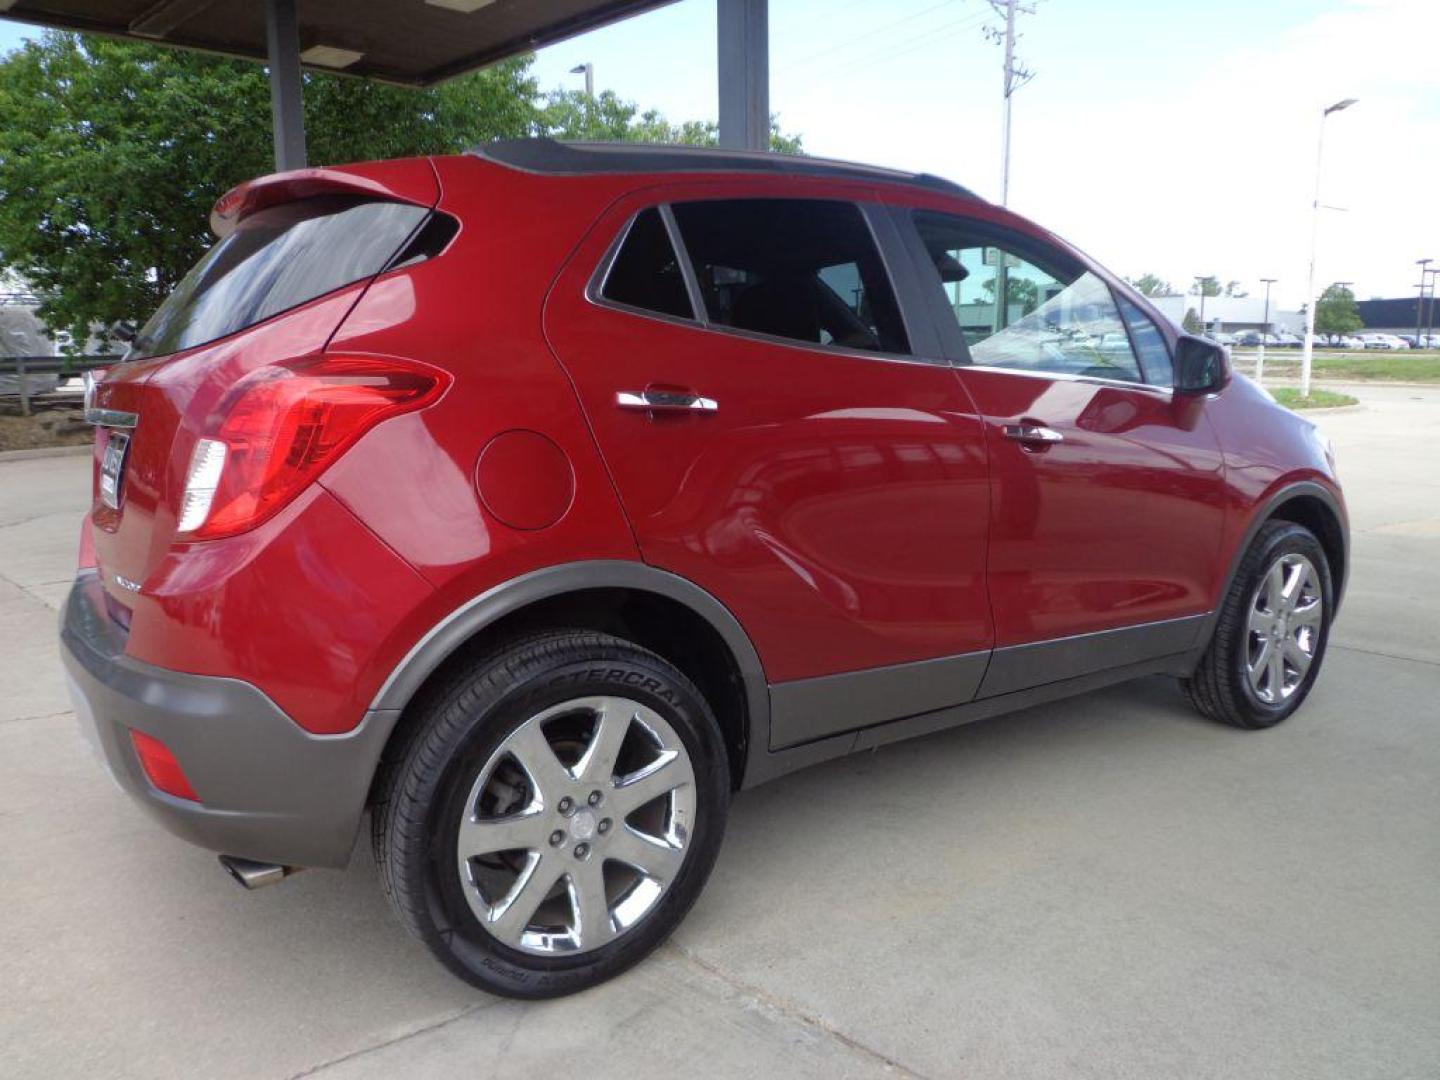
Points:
(537, 499)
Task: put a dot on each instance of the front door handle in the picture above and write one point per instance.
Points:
(665, 401)
(1028, 431)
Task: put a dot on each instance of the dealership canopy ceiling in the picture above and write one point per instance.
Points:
(416, 42)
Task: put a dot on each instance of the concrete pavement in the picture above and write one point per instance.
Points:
(1106, 887)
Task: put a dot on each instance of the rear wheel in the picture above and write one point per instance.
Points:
(1271, 634)
(556, 814)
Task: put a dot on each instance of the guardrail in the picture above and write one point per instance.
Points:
(22, 367)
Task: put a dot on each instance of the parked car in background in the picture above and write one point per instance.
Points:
(1222, 338)
(1384, 341)
(553, 493)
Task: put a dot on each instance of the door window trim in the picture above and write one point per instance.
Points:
(916, 322)
(948, 330)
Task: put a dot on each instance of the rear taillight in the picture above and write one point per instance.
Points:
(282, 425)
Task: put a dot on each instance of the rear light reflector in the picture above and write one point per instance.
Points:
(160, 766)
(283, 425)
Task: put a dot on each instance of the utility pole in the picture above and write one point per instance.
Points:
(1016, 76)
(1264, 329)
(1200, 287)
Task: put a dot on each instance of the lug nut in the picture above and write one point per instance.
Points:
(566, 805)
(596, 798)
(557, 838)
(604, 826)
(582, 850)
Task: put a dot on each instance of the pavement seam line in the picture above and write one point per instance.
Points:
(42, 716)
(794, 1011)
(1387, 656)
(469, 1010)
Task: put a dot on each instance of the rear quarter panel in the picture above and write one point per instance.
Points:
(475, 311)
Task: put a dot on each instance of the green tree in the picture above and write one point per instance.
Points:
(1209, 285)
(573, 114)
(1191, 323)
(112, 153)
(1153, 285)
(1019, 292)
(1234, 288)
(1336, 312)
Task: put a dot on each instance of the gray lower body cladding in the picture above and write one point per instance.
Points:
(269, 790)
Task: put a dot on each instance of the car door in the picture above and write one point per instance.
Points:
(1107, 488)
(780, 434)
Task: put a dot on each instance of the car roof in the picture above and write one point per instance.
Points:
(552, 157)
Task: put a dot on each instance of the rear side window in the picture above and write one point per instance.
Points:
(277, 259)
(802, 269)
(646, 274)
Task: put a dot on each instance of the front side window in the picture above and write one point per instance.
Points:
(1150, 344)
(277, 259)
(802, 269)
(646, 274)
(1021, 307)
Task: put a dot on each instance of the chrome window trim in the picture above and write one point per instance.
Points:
(1068, 376)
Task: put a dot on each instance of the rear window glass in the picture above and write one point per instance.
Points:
(801, 269)
(646, 274)
(277, 259)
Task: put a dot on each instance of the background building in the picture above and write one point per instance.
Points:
(1226, 314)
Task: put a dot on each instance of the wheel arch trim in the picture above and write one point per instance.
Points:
(1266, 510)
(473, 616)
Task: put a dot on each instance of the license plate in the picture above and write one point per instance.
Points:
(112, 467)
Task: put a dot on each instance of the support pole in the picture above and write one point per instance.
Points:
(287, 114)
(743, 52)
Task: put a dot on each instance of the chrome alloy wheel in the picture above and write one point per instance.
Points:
(1285, 622)
(576, 826)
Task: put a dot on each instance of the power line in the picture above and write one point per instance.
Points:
(868, 35)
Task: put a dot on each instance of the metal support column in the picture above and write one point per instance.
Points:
(744, 61)
(287, 114)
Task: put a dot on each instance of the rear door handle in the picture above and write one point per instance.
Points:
(1028, 431)
(665, 401)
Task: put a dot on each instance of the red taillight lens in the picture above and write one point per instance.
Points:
(161, 767)
(283, 425)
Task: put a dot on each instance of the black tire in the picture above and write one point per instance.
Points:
(421, 795)
(1220, 687)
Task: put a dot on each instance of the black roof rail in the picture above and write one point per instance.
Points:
(552, 157)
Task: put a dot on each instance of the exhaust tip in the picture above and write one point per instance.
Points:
(255, 875)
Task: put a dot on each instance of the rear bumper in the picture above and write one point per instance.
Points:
(268, 790)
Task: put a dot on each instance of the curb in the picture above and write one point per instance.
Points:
(46, 452)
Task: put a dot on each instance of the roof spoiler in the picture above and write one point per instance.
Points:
(409, 180)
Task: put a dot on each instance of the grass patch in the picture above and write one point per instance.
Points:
(1421, 366)
(1289, 396)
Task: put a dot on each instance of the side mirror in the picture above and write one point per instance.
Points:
(1200, 365)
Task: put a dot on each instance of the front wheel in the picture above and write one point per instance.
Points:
(556, 814)
(1271, 633)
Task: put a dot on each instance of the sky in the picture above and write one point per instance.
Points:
(1165, 136)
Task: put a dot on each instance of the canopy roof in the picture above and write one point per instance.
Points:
(414, 42)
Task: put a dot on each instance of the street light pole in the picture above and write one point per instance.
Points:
(1200, 287)
(588, 70)
(1430, 310)
(1264, 329)
(1424, 265)
(1309, 353)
